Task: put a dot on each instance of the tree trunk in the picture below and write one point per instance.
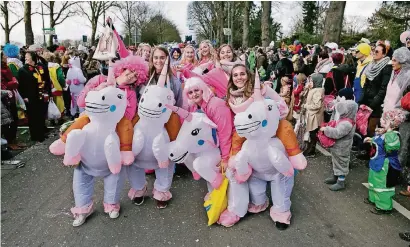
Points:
(333, 22)
(6, 22)
(266, 11)
(245, 34)
(221, 37)
(27, 23)
(52, 23)
(93, 31)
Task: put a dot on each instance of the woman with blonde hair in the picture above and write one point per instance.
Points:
(206, 54)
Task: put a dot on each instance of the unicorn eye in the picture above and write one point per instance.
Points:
(195, 132)
(270, 107)
(119, 96)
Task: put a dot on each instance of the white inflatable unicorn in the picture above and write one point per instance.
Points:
(263, 158)
(197, 147)
(97, 146)
(150, 142)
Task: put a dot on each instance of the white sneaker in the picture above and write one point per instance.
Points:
(80, 219)
(114, 214)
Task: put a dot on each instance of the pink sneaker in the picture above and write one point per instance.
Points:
(228, 219)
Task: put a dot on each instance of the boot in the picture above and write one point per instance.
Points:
(310, 150)
(339, 185)
(331, 180)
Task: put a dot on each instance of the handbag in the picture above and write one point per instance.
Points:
(217, 202)
(107, 45)
(326, 141)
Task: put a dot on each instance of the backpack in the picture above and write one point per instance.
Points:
(328, 99)
(326, 141)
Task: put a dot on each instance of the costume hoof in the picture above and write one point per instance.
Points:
(115, 169)
(298, 161)
(57, 147)
(196, 176)
(127, 157)
(228, 219)
(72, 161)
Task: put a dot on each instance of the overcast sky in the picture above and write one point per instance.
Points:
(75, 27)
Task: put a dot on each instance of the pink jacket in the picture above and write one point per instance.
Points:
(96, 81)
(210, 66)
(217, 110)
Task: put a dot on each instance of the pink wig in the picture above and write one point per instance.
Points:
(133, 63)
(196, 83)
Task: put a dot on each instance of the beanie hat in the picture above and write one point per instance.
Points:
(317, 80)
(347, 93)
(11, 51)
(364, 49)
(60, 48)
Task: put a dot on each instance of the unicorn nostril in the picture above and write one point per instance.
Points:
(159, 105)
(172, 155)
(142, 100)
(250, 116)
(103, 98)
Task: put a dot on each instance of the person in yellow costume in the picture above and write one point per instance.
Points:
(57, 81)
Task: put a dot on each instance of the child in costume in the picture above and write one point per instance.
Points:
(384, 172)
(57, 80)
(13, 61)
(345, 117)
(95, 151)
(76, 80)
(125, 74)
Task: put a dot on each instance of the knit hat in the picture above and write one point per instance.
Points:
(395, 117)
(34, 47)
(364, 49)
(347, 93)
(317, 80)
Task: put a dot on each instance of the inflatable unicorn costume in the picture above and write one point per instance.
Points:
(262, 159)
(150, 143)
(76, 80)
(96, 148)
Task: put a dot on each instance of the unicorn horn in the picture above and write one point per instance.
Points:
(257, 95)
(181, 112)
(163, 75)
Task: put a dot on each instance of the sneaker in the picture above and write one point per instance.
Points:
(114, 214)
(367, 201)
(379, 211)
(311, 154)
(138, 200)
(80, 219)
(281, 226)
(339, 185)
(331, 180)
(162, 204)
(405, 236)
(405, 193)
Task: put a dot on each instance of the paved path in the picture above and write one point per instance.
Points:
(36, 202)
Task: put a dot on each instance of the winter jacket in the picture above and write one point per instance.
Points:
(314, 108)
(217, 110)
(340, 74)
(374, 91)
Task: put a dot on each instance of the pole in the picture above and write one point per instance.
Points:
(42, 17)
(229, 18)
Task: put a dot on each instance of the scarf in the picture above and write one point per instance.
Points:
(237, 96)
(322, 64)
(374, 68)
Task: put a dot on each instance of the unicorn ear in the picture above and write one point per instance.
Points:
(209, 122)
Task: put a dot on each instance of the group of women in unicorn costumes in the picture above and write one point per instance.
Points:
(224, 121)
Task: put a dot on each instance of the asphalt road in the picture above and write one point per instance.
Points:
(36, 202)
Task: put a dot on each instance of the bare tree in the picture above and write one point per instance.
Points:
(202, 17)
(265, 22)
(354, 24)
(334, 21)
(134, 15)
(245, 26)
(93, 10)
(58, 13)
(7, 9)
(220, 18)
(27, 23)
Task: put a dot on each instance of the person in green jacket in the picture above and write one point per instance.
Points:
(384, 172)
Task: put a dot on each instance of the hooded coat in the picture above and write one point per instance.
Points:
(343, 133)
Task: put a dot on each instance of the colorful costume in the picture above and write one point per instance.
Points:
(13, 61)
(97, 146)
(76, 80)
(262, 158)
(150, 141)
(57, 84)
(125, 126)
